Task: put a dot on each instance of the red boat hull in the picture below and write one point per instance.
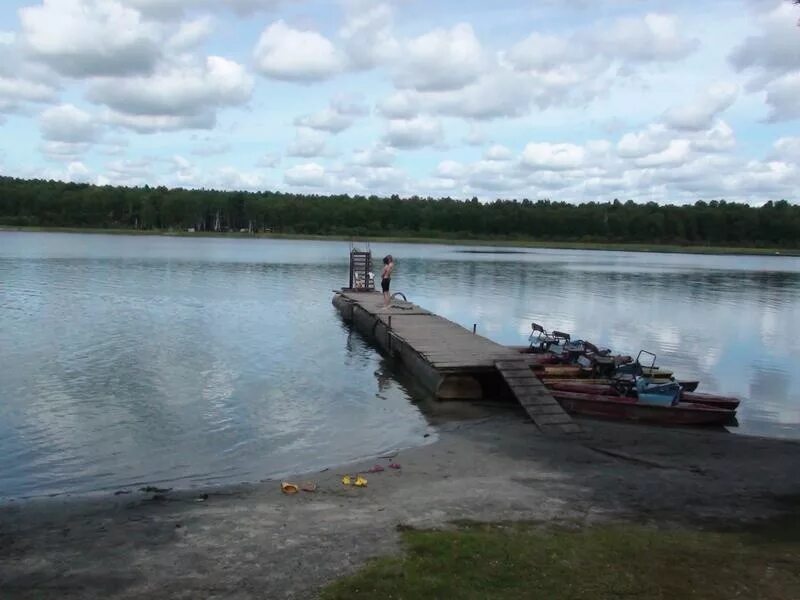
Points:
(596, 405)
(724, 402)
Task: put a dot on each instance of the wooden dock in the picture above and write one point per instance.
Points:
(450, 361)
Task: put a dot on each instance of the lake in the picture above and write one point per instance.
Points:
(132, 360)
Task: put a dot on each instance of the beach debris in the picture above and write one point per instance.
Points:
(376, 469)
(201, 498)
(289, 488)
(309, 486)
(395, 465)
(357, 481)
(121, 492)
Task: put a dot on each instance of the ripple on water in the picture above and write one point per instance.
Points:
(130, 361)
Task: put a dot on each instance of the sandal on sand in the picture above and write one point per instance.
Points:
(376, 469)
(309, 486)
(394, 466)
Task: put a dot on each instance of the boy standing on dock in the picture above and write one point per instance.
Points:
(386, 278)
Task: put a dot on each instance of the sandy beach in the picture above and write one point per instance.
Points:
(253, 541)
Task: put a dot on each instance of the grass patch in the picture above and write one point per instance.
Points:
(601, 562)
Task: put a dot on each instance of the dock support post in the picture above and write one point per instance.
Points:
(390, 321)
(474, 328)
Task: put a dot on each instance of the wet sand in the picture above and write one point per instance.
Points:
(252, 541)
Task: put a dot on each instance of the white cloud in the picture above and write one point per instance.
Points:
(308, 143)
(400, 105)
(543, 52)
(232, 178)
(413, 133)
(375, 156)
(155, 123)
(652, 38)
(367, 34)
(172, 9)
(340, 114)
(553, 157)
(701, 111)
(64, 151)
(67, 123)
(442, 59)
(14, 91)
(787, 149)
(782, 97)
(77, 171)
(181, 95)
(81, 38)
(718, 138)
(772, 58)
(654, 138)
(306, 175)
(450, 169)
(676, 152)
(295, 55)
(191, 33)
(498, 152)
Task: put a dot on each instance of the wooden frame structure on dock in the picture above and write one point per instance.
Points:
(453, 363)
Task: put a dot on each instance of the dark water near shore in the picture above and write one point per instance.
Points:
(190, 361)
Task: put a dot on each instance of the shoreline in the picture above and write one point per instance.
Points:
(443, 241)
(251, 540)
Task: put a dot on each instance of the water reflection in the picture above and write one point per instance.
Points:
(129, 359)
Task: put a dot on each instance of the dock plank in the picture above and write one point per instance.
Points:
(535, 398)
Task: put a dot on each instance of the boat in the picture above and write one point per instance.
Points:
(656, 393)
(688, 385)
(605, 388)
(617, 407)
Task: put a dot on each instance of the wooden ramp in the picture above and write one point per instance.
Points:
(534, 397)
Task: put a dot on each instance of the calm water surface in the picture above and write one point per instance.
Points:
(127, 360)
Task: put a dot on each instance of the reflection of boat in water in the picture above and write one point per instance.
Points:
(617, 407)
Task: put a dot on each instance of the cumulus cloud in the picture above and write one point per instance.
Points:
(701, 111)
(308, 143)
(772, 59)
(413, 133)
(172, 9)
(654, 138)
(442, 59)
(498, 152)
(553, 157)
(367, 34)
(81, 38)
(651, 38)
(782, 97)
(191, 34)
(180, 95)
(718, 138)
(67, 123)
(306, 175)
(292, 54)
(787, 149)
(400, 105)
(374, 156)
(338, 116)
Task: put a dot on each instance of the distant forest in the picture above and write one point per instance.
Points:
(58, 204)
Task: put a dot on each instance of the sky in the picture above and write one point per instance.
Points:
(584, 101)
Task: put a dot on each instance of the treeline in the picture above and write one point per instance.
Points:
(58, 204)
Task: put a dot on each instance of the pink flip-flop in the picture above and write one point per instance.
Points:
(376, 469)
(394, 466)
